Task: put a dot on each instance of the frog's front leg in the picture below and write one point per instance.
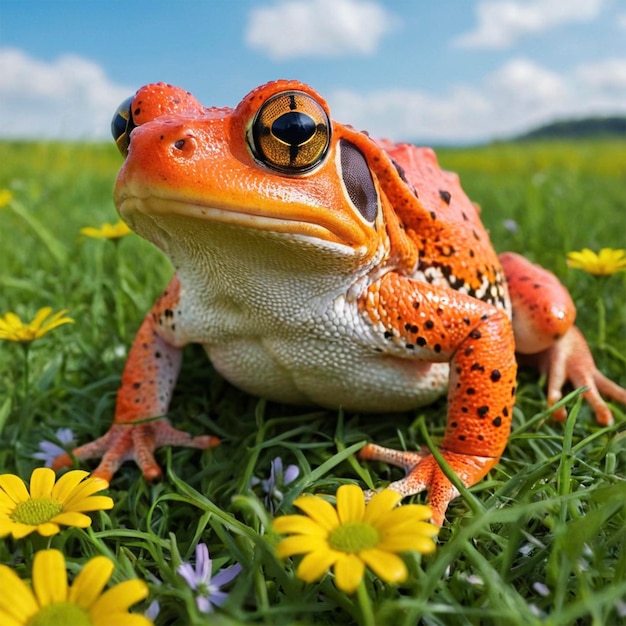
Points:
(546, 338)
(431, 323)
(143, 399)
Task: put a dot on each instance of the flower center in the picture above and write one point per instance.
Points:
(203, 589)
(60, 613)
(353, 537)
(36, 511)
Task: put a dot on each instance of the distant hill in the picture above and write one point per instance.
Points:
(579, 129)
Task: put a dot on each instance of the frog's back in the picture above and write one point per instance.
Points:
(454, 247)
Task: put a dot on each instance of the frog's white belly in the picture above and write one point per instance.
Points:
(278, 316)
(326, 374)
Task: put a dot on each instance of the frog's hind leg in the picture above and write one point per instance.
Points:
(546, 338)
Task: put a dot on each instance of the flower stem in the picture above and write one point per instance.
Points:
(24, 401)
(601, 323)
(365, 605)
(25, 347)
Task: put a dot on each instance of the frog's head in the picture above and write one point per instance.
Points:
(275, 168)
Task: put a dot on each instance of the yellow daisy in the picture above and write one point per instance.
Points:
(49, 504)
(608, 261)
(13, 329)
(107, 231)
(5, 197)
(51, 601)
(354, 535)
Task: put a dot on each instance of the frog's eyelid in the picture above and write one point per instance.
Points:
(357, 180)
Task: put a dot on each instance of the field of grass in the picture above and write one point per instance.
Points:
(541, 540)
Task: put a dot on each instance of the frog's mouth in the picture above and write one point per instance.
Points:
(324, 233)
(217, 240)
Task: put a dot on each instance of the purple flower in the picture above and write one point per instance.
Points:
(272, 486)
(48, 450)
(511, 225)
(207, 586)
(153, 610)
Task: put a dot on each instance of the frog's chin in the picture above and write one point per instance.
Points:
(134, 210)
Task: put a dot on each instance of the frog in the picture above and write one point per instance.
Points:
(317, 265)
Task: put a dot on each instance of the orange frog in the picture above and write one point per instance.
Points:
(317, 265)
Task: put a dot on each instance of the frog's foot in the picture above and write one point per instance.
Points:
(423, 473)
(136, 442)
(570, 359)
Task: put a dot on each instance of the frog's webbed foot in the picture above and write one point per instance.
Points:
(570, 359)
(137, 441)
(423, 473)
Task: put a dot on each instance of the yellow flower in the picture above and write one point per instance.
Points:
(608, 261)
(5, 197)
(355, 535)
(49, 504)
(51, 601)
(13, 329)
(107, 231)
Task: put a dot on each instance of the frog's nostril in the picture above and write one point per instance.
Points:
(184, 146)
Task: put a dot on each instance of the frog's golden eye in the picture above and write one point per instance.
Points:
(290, 132)
(122, 125)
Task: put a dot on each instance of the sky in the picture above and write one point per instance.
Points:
(445, 71)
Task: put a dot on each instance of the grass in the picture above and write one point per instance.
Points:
(542, 540)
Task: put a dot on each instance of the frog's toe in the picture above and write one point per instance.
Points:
(570, 359)
(152, 435)
(94, 449)
(400, 458)
(423, 473)
(138, 442)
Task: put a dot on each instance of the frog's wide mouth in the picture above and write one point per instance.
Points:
(131, 208)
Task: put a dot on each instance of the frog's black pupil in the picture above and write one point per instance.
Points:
(294, 128)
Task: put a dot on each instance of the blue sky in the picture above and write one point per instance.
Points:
(432, 71)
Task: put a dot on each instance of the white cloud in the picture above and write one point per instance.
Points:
(621, 21)
(70, 97)
(605, 77)
(402, 114)
(514, 98)
(318, 28)
(602, 84)
(521, 84)
(502, 22)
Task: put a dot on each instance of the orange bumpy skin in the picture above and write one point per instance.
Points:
(318, 265)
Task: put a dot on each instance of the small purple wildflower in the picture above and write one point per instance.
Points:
(511, 225)
(48, 450)
(272, 486)
(153, 610)
(201, 580)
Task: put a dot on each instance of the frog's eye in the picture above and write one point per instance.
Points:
(290, 132)
(122, 124)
